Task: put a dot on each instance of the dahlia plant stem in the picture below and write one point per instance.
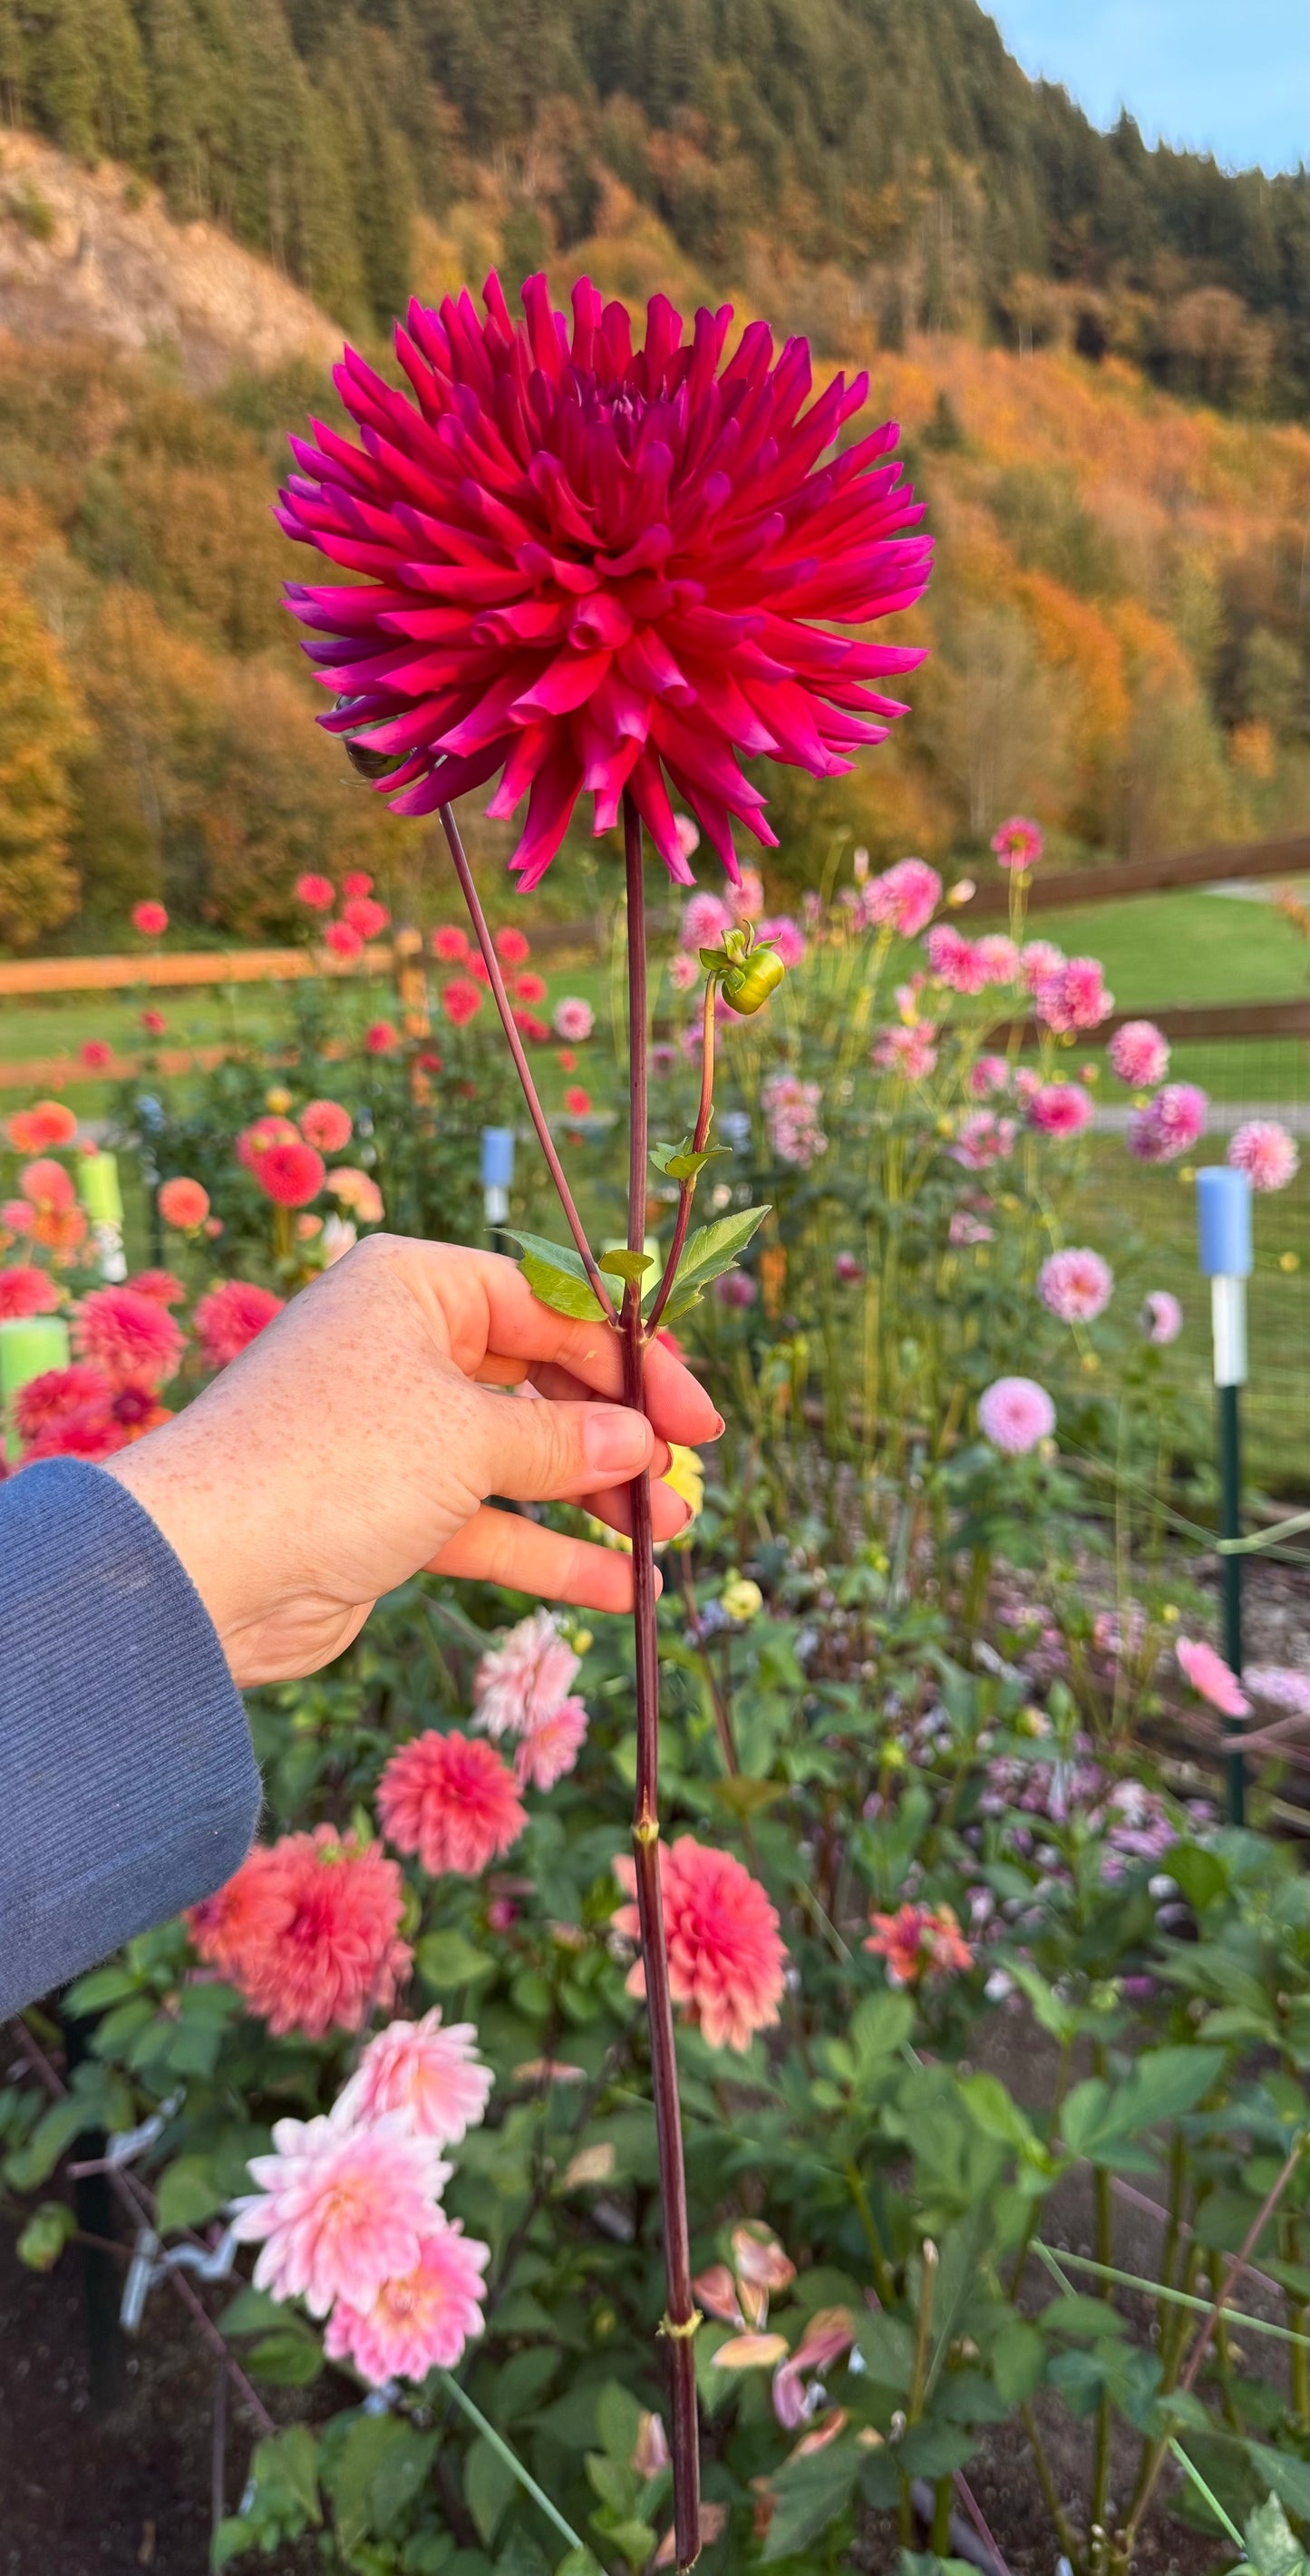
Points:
(687, 1191)
(681, 2316)
(515, 1044)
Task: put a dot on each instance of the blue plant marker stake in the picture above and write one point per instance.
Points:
(497, 1179)
(1223, 1225)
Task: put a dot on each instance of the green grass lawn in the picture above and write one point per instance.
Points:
(1193, 946)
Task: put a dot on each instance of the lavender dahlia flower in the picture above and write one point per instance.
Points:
(594, 568)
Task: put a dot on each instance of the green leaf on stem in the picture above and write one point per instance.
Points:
(555, 1274)
(711, 1250)
(626, 1265)
(682, 1162)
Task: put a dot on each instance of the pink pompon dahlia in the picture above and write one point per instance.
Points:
(150, 918)
(419, 2319)
(1265, 1151)
(908, 1051)
(1075, 1285)
(131, 1339)
(525, 1679)
(1161, 1317)
(318, 894)
(343, 940)
(450, 944)
(339, 2209)
(726, 1959)
(955, 960)
(1211, 1678)
(1073, 997)
(229, 1316)
(998, 957)
(433, 2078)
(1169, 1125)
(58, 1396)
(1014, 1413)
(596, 568)
(903, 898)
(919, 1942)
(451, 1800)
(290, 1174)
(26, 1291)
(1018, 843)
(787, 936)
(573, 1019)
(307, 1930)
(461, 1000)
(1139, 1054)
(1060, 1108)
(512, 946)
(704, 921)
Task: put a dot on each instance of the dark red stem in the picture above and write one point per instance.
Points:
(688, 1190)
(515, 1043)
(680, 2319)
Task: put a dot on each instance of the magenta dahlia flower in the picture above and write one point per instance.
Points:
(594, 567)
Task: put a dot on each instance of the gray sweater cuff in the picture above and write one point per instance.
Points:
(128, 1787)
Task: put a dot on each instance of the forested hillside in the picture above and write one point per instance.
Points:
(888, 152)
(1116, 620)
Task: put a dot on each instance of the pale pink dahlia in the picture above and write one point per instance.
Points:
(1039, 961)
(1265, 1151)
(433, 2079)
(1280, 1686)
(1075, 1285)
(593, 568)
(984, 1139)
(1060, 1108)
(903, 898)
(525, 1679)
(549, 1749)
(704, 921)
(998, 957)
(726, 1959)
(1211, 1678)
(1169, 1125)
(573, 1020)
(418, 2319)
(340, 2209)
(1161, 1316)
(990, 1074)
(786, 936)
(1139, 1054)
(1014, 1413)
(908, 1051)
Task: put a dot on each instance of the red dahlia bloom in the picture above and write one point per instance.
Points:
(595, 568)
(229, 1316)
(131, 1339)
(291, 1174)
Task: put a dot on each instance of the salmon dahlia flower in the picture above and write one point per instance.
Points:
(591, 567)
(450, 1799)
(339, 2210)
(419, 2319)
(307, 1932)
(726, 1958)
(433, 2078)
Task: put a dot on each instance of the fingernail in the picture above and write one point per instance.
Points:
(614, 1437)
(720, 1426)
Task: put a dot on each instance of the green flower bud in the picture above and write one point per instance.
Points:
(747, 987)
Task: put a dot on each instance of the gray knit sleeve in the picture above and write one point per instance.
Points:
(128, 1787)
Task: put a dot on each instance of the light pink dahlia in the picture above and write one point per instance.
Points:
(419, 2319)
(1075, 1285)
(908, 1051)
(1139, 1054)
(704, 921)
(1266, 1152)
(1073, 997)
(1161, 1318)
(903, 898)
(573, 1019)
(432, 2079)
(592, 568)
(1169, 1125)
(550, 1748)
(524, 1679)
(1014, 1413)
(339, 2209)
(1211, 1678)
(998, 957)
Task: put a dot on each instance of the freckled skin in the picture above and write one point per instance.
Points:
(359, 1437)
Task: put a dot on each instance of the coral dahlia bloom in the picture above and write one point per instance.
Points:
(58, 1396)
(46, 1184)
(291, 1175)
(433, 2078)
(1139, 1054)
(1014, 1413)
(450, 944)
(365, 916)
(419, 2319)
(903, 898)
(525, 1679)
(131, 1339)
(150, 919)
(46, 1123)
(512, 948)
(318, 894)
(254, 1141)
(339, 2209)
(461, 1000)
(726, 1960)
(26, 1291)
(1211, 1678)
(307, 1931)
(1060, 1108)
(226, 1318)
(1075, 1285)
(379, 1040)
(577, 1101)
(1265, 1151)
(451, 1800)
(183, 1203)
(573, 1019)
(529, 988)
(325, 1125)
(918, 1942)
(594, 568)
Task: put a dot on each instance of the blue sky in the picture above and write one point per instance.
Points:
(1223, 79)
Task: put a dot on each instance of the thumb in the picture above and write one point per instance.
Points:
(536, 1451)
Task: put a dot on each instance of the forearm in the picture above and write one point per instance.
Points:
(128, 1788)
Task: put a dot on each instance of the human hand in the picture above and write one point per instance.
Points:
(358, 1439)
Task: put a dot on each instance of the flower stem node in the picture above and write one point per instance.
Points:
(646, 1832)
(682, 2333)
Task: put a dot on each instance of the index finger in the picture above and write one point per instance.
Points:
(496, 1312)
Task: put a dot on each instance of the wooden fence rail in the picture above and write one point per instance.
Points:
(1237, 860)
